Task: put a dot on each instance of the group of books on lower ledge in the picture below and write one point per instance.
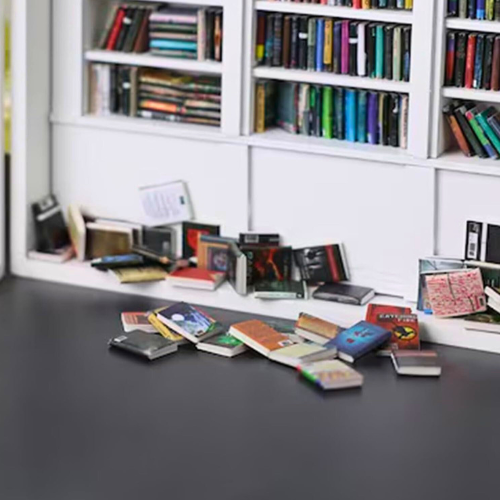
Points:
(154, 94)
(333, 112)
(476, 128)
(311, 345)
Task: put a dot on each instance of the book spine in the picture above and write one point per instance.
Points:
(394, 115)
(472, 9)
(339, 113)
(388, 46)
(361, 120)
(260, 107)
(269, 40)
(481, 9)
(497, 10)
(328, 45)
(287, 41)
(450, 59)
(115, 31)
(470, 60)
(495, 68)
(457, 131)
(452, 8)
(294, 42)
(403, 121)
(396, 54)
(260, 48)
(353, 48)
(320, 43)
(488, 62)
(337, 47)
(370, 50)
(479, 62)
(351, 115)
(406, 31)
(483, 123)
(461, 45)
(372, 118)
(327, 113)
(218, 34)
(361, 50)
(345, 48)
(468, 132)
(469, 114)
(379, 51)
(462, 8)
(311, 44)
(303, 37)
(278, 40)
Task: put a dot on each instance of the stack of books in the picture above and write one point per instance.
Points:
(475, 127)
(475, 9)
(340, 46)
(333, 112)
(190, 33)
(361, 4)
(154, 94)
(472, 60)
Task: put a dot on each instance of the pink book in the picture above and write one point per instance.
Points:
(344, 65)
(456, 293)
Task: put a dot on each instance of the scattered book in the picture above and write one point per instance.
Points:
(373, 311)
(280, 290)
(133, 321)
(148, 345)
(192, 277)
(345, 294)
(191, 232)
(321, 264)
(117, 261)
(163, 329)
(359, 340)
(223, 345)
(302, 353)
(331, 374)
(315, 329)
(484, 322)
(419, 363)
(190, 322)
(104, 240)
(141, 274)
(404, 330)
(260, 336)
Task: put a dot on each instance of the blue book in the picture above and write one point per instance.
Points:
(350, 115)
(379, 52)
(481, 9)
(173, 45)
(372, 118)
(359, 340)
(382, 3)
(320, 42)
(453, 8)
(472, 9)
(362, 115)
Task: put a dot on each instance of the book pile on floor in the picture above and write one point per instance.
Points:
(475, 127)
(311, 345)
(488, 10)
(361, 4)
(340, 46)
(188, 33)
(154, 94)
(333, 112)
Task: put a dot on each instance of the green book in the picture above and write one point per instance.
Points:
(339, 113)
(379, 52)
(327, 114)
(470, 114)
(482, 119)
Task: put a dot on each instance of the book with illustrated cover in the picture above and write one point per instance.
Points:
(191, 232)
(190, 322)
(405, 332)
(331, 374)
(359, 340)
(223, 345)
(321, 264)
(457, 293)
(280, 290)
(417, 363)
(373, 311)
(141, 274)
(148, 345)
(302, 353)
(132, 321)
(315, 329)
(345, 294)
(268, 263)
(213, 252)
(163, 329)
(260, 336)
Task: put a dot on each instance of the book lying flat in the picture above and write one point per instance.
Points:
(132, 321)
(345, 294)
(148, 345)
(331, 374)
(483, 322)
(192, 277)
(223, 345)
(315, 329)
(303, 353)
(141, 274)
(163, 329)
(280, 290)
(419, 363)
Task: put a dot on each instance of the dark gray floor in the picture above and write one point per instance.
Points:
(81, 422)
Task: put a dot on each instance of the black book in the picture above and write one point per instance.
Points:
(406, 39)
(148, 345)
(318, 112)
(384, 118)
(302, 51)
(460, 59)
(497, 9)
(479, 62)
(473, 9)
(471, 137)
(389, 49)
(278, 40)
(268, 263)
(126, 24)
(345, 294)
(394, 108)
(125, 86)
(391, 4)
(137, 19)
(337, 44)
(114, 94)
(339, 112)
(371, 50)
(321, 264)
(452, 8)
(487, 62)
(209, 34)
(353, 48)
(294, 42)
(269, 48)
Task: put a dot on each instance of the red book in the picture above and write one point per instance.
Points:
(115, 30)
(470, 60)
(404, 330)
(193, 277)
(373, 311)
(450, 61)
(356, 4)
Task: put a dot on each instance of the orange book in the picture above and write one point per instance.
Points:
(259, 336)
(315, 329)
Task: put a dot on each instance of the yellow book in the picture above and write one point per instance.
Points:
(328, 48)
(162, 329)
(367, 4)
(409, 4)
(260, 108)
(140, 274)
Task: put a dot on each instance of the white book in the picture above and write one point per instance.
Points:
(362, 49)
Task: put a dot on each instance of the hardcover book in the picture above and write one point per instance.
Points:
(331, 374)
(359, 340)
(345, 294)
(191, 232)
(190, 322)
(322, 264)
(148, 345)
(105, 240)
(223, 345)
(315, 329)
(141, 274)
(418, 363)
(237, 272)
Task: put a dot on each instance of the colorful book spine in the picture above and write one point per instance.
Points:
(320, 42)
(350, 115)
(345, 48)
(327, 113)
(361, 120)
(379, 52)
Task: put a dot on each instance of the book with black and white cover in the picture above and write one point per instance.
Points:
(482, 242)
(148, 345)
(345, 294)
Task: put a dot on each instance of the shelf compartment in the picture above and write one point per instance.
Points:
(151, 61)
(322, 78)
(456, 23)
(471, 94)
(456, 161)
(387, 15)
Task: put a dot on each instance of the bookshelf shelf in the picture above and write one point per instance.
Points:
(317, 77)
(150, 61)
(457, 162)
(471, 94)
(385, 15)
(208, 3)
(456, 23)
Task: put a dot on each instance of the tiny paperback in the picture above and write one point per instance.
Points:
(223, 345)
(404, 330)
(322, 264)
(417, 363)
(331, 374)
(280, 290)
(192, 277)
(315, 329)
(132, 321)
(141, 274)
(303, 353)
(148, 345)
(191, 232)
(345, 294)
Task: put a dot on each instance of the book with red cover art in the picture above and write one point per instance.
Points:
(193, 277)
(373, 311)
(470, 60)
(191, 232)
(405, 332)
(456, 293)
(268, 263)
(115, 30)
(322, 264)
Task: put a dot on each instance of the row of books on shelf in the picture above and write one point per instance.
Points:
(154, 94)
(473, 60)
(333, 112)
(310, 345)
(189, 33)
(340, 46)
(475, 127)
(488, 10)
(360, 4)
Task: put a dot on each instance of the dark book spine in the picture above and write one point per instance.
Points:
(497, 10)
(339, 112)
(470, 59)
(269, 40)
(125, 79)
(479, 62)
(488, 62)
(450, 58)
(294, 43)
(370, 50)
(406, 53)
(372, 119)
(353, 48)
(139, 14)
(462, 142)
(495, 68)
(472, 9)
(311, 44)
(394, 111)
(337, 46)
(303, 32)
(318, 112)
(468, 132)
(460, 59)
(286, 45)
(210, 34)
(383, 121)
(278, 40)
(127, 22)
(389, 49)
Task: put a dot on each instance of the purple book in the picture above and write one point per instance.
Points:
(345, 48)
(373, 118)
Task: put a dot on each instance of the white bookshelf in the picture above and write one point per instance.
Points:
(389, 206)
(471, 94)
(456, 23)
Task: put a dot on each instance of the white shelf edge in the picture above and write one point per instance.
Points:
(387, 15)
(456, 161)
(209, 3)
(322, 78)
(439, 331)
(475, 25)
(152, 61)
(471, 94)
